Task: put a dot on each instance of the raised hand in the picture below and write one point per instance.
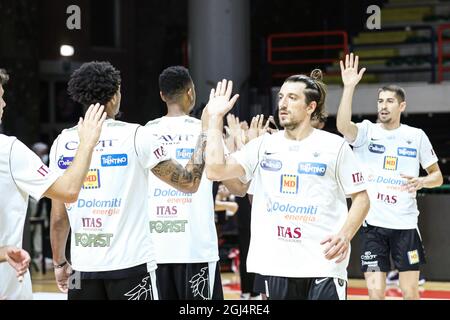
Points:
(90, 127)
(220, 101)
(349, 71)
(235, 132)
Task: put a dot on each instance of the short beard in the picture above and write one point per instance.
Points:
(290, 126)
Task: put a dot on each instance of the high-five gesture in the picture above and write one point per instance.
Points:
(220, 101)
(349, 71)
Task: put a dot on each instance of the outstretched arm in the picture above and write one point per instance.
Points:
(350, 78)
(186, 179)
(220, 102)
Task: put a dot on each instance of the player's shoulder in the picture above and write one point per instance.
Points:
(4, 139)
(411, 130)
(192, 120)
(153, 123)
(119, 124)
(328, 138)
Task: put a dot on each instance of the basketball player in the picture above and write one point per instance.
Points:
(301, 177)
(391, 154)
(111, 248)
(22, 173)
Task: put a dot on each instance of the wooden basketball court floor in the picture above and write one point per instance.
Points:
(44, 288)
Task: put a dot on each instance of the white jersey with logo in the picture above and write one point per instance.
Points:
(22, 173)
(109, 220)
(384, 155)
(299, 199)
(181, 224)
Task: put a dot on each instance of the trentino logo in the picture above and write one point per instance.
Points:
(317, 169)
(377, 148)
(271, 164)
(114, 160)
(183, 153)
(64, 162)
(407, 152)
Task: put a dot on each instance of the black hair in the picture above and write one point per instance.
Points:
(315, 91)
(94, 82)
(173, 81)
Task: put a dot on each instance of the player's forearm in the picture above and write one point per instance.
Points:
(236, 187)
(215, 158)
(194, 168)
(433, 180)
(59, 231)
(357, 213)
(67, 187)
(344, 122)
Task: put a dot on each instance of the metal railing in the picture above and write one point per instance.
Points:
(441, 54)
(276, 44)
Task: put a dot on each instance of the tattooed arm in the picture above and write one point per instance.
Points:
(185, 179)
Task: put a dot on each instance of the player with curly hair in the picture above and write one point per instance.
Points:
(111, 248)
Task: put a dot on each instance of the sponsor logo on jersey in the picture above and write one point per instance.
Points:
(277, 207)
(175, 226)
(181, 201)
(94, 203)
(357, 178)
(289, 184)
(99, 207)
(174, 138)
(289, 233)
(183, 153)
(313, 168)
(413, 257)
(92, 222)
(386, 180)
(43, 170)
(92, 180)
(114, 160)
(166, 210)
(386, 198)
(407, 152)
(169, 193)
(271, 164)
(100, 240)
(64, 162)
(390, 163)
(377, 148)
(102, 144)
